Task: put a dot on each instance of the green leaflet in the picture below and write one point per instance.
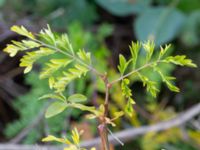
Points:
(163, 51)
(76, 98)
(15, 47)
(72, 144)
(59, 106)
(134, 49)
(55, 108)
(56, 96)
(167, 80)
(129, 107)
(30, 57)
(150, 85)
(123, 64)
(126, 91)
(51, 82)
(118, 114)
(84, 108)
(48, 36)
(52, 66)
(85, 56)
(64, 43)
(22, 31)
(149, 48)
(180, 60)
(11, 50)
(68, 76)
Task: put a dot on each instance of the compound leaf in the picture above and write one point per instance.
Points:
(180, 60)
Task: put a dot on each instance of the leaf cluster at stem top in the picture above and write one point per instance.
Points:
(73, 64)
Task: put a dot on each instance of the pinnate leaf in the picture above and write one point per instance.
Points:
(180, 60)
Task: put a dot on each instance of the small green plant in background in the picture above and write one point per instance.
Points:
(64, 64)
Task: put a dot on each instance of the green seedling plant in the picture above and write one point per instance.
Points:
(76, 64)
(27, 109)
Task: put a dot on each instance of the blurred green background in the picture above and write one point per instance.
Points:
(106, 28)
